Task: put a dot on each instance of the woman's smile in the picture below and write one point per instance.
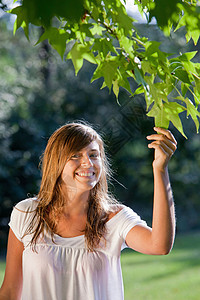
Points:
(87, 174)
(83, 169)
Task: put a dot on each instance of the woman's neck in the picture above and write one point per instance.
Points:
(76, 203)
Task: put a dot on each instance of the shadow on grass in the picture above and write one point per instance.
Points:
(185, 255)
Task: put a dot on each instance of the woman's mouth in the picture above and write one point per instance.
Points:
(85, 174)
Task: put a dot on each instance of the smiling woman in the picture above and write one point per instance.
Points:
(65, 191)
(71, 235)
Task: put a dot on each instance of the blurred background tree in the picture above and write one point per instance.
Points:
(39, 92)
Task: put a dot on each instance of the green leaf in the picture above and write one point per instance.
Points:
(147, 67)
(106, 69)
(152, 50)
(187, 56)
(57, 38)
(121, 81)
(21, 21)
(190, 18)
(163, 10)
(157, 91)
(82, 31)
(167, 112)
(119, 16)
(95, 12)
(196, 95)
(139, 90)
(127, 45)
(103, 46)
(78, 53)
(97, 29)
(183, 66)
(197, 81)
(172, 110)
(139, 77)
(116, 88)
(192, 34)
(160, 119)
(184, 88)
(192, 111)
(182, 75)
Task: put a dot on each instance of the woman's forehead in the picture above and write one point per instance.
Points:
(93, 146)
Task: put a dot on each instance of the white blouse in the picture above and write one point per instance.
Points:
(65, 269)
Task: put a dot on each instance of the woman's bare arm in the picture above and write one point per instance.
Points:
(12, 284)
(158, 239)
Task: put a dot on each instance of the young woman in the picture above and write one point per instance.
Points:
(66, 243)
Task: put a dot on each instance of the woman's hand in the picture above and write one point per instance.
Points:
(165, 145)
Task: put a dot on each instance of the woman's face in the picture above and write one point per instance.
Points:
(83, 170)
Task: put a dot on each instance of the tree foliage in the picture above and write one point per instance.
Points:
(101, 32)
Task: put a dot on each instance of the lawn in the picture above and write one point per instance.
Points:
(175, 276)
(2, 268)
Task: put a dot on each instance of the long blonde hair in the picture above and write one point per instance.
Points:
(63, 143)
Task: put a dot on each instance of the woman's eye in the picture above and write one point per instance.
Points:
(75, 156)
(94, 155)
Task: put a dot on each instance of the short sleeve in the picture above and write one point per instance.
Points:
(21, 216)
(129, 219)
(119, 226)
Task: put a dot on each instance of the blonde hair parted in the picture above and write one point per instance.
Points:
(63, 143)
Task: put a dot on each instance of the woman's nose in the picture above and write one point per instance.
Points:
(86, 161)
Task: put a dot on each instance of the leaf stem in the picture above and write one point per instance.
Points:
(138, 41)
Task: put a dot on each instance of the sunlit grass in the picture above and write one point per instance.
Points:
(2, 269)
(175, 276)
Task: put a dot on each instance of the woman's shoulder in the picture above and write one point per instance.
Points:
(21, 216)
(123, 212)
(28, 204)
(115, 209)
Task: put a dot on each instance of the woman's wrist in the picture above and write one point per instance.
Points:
(161, 169)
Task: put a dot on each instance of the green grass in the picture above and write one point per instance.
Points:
(2, 269)
(175, 276)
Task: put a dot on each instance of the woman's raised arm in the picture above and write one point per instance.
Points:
(159, 239)
(12, 284)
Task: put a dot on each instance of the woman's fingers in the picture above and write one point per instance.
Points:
(165, 136)
(167, 133)
(164, 145)
(163, 139)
